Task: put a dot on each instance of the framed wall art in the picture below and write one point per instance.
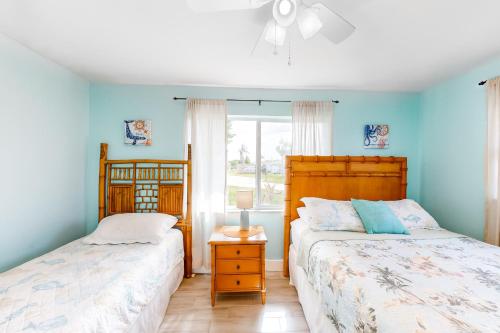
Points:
(376, 136)
(137, 132)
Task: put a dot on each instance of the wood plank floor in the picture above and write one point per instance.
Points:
(190, 310)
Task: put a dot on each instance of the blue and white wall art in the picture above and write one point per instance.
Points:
(138, 132)
(376, 136)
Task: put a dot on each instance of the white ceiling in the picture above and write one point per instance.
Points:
(398, 44)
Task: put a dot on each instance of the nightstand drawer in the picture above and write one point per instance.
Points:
(237, 251)
(234, 266)
(238, 282)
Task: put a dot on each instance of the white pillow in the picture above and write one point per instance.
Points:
(131, 228)
(326, 214)
(302, 211)
(311, 200)
(412, 215)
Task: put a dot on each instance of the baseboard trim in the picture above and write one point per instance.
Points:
(274, 265)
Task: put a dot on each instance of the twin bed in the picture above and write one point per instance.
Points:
(93, 288)
(109, 288)
(429, 281)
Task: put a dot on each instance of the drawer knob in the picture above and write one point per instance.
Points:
(238, 282)
(238, 252)
(238, 267)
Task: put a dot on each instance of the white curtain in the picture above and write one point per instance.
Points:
(492, 225)
(312, 124)
(206, 131)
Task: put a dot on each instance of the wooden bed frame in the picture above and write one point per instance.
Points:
(339, 178)
(145, 186)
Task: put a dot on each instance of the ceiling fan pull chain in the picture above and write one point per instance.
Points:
(290, 53)
(275, 52)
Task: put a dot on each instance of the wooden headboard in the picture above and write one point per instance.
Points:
(147, 186)
(340, 178)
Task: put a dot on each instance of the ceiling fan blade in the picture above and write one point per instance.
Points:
(224, 5)
(335, 27)
(258, 41)
(273, 35)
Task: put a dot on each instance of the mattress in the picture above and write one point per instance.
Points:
(90, 288)
(432, 280)
(317, 321)
(151, 317)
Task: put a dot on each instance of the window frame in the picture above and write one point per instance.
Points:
(258, 159)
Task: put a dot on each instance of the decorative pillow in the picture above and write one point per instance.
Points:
(326, 214)
(378, 218)
(412, 215)
(131, 228)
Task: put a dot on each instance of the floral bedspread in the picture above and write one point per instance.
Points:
(408, 285)
(86, 288)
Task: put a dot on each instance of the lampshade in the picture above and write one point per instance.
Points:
(274, 33)
(309, 22)
(244, 199)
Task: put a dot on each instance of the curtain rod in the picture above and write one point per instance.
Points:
(249, 100)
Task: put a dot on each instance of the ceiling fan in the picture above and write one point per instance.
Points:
(311, 17)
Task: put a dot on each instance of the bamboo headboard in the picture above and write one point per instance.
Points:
(147, 186)
(339, 178)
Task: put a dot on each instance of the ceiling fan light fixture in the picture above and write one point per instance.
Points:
(285, 7)
(309, 22)
(285, 12)
(274, 33)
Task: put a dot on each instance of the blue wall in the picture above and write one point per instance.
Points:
(44, 118)
(453, 134)
(111, 104)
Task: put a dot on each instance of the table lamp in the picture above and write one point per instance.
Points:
(244, 200)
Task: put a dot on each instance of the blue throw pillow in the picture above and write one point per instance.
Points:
(378, 218)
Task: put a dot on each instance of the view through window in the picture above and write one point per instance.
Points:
(256, 150)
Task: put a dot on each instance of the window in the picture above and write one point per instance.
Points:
(256, 149)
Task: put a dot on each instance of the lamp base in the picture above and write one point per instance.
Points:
(244, 220)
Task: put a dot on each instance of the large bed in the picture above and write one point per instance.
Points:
(108, 288)
(429, 281)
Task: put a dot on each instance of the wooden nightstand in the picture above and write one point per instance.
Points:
(238, 264)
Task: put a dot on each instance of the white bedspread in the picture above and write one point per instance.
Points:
(428, 282)
(298, 226)
(86, 288)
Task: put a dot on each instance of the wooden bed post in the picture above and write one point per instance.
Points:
(102, 180)
(188, 269)
(404, 177)
(286, 225)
